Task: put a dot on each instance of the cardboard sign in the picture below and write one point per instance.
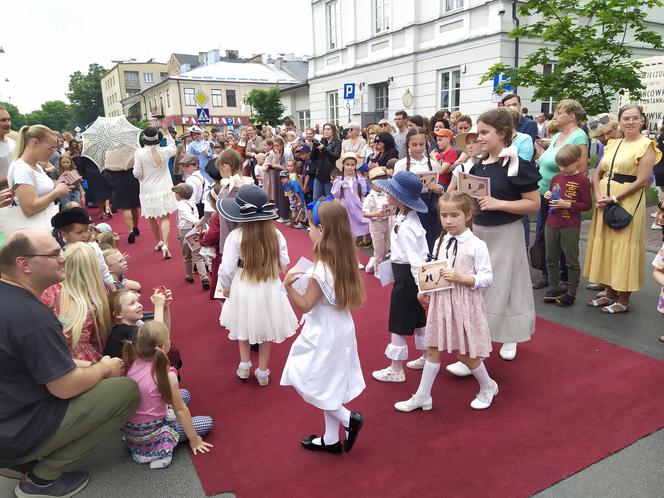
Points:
(389, 211)
(300, 285)
(474, 186)
(192, 239)
(430, 277)
(428, 180)
(70, 178)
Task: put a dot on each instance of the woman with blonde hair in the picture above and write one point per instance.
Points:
(257, 310)
(34, 191)
(80, 301)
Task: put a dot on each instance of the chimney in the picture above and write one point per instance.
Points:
(278, 62)
(201, 58)
(232, 54)
(212, 57)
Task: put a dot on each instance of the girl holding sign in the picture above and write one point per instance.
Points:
(456, 318)
(509, 301)
(419, 160)
(408, 246)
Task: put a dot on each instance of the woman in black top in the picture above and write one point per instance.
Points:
(510, 306)
(385, 148)
(324, 155)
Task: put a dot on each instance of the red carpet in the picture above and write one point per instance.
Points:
(568, 401)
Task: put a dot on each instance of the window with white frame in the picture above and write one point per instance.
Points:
(450, 89)
(451, 5)
(333, 107)
(304, 119)
(189, 97)
(148, 77)
(131, 76)
(217, 98)
(548, 105)
(381, 16)
(333, 19)
(382, 97)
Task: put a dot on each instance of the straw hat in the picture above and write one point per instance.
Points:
(349, 155)
(376, 172)
(462, 137)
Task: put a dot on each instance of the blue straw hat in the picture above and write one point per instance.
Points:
(405, 187)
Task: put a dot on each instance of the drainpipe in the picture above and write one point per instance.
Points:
(515, 18)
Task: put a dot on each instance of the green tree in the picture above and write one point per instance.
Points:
(266, 108)
(85, 95)
(18, 119)
(55, 114)
(590, 43)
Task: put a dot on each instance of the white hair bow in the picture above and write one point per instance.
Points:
(511, 160)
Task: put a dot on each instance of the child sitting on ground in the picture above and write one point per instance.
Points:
(149, 436)
(117, 266)
(191, 250)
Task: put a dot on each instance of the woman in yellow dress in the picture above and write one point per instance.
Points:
(616, 257)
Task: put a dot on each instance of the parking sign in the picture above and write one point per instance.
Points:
(349, 91)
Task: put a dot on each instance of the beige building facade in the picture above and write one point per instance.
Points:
(129, 78)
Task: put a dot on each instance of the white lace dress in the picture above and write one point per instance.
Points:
(156, 197)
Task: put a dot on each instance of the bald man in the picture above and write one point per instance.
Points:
(53, 410)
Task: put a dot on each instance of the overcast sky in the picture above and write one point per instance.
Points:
(47, 40)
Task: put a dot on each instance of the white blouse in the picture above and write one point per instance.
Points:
(231, 256)
(416, 165)
(478, 249)
(21, 173)
(408, 242)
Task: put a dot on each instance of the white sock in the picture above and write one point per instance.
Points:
(418, 336)
(342, 415)
(397, 365)
(262, 373)
(161, 463)
(428, 377)
(331, 435)
(482, 377)
(244, 364)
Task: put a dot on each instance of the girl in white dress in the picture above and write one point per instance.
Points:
(323, 365)
(257, 311)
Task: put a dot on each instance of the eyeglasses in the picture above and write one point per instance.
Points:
(58, 255)
(384, 124)
(50, 147)
(596, 122)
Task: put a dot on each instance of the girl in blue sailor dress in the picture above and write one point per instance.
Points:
(323, 364)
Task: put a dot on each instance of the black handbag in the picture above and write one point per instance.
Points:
(616, 216)
(537, 251)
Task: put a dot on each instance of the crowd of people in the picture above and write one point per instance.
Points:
(80, 359)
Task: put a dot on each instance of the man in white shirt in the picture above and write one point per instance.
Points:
(7, 145)
(193, 176)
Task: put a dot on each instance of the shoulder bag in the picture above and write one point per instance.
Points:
(616, 216)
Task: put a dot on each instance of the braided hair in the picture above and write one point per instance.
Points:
(418, 130)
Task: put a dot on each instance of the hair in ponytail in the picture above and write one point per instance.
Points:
(418, 130)
(27, 133)
(146, 344)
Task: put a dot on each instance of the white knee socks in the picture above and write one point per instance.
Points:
(482, 377)
(342, 415)
(418, 335)
(397, 351)
(428, 377)
(331, 429)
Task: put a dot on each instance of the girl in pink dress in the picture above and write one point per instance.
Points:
(456, 318)
(350, 188)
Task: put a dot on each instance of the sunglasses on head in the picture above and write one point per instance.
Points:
(596, 122)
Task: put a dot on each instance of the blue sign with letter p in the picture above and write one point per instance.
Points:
(349, 91)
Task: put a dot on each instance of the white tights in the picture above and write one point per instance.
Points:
(332, 420)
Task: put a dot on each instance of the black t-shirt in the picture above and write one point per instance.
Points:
(505, 188)
(33, 352)
(120, 334)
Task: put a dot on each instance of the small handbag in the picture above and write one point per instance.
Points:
(616, 216)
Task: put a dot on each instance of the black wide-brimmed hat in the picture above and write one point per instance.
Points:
(69, 217)
(152, 136)
(250, 204)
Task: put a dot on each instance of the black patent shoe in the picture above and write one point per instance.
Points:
(356, 422)
(308, 444)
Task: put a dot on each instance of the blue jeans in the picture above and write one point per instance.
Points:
(321, 189)
(541, 223)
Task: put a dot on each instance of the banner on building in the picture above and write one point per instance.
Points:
(652, 97)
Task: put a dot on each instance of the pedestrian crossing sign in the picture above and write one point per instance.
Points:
(203, 115)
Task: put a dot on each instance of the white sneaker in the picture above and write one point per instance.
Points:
(417, 364)
(370, 265)
(159, 245)
(389, 375)
(243, 373)
(508, 351)
(459, 369)
(263, 378)
(283, 220)
(484, 399)
(414, 403)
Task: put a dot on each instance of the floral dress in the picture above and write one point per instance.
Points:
(88, 347)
